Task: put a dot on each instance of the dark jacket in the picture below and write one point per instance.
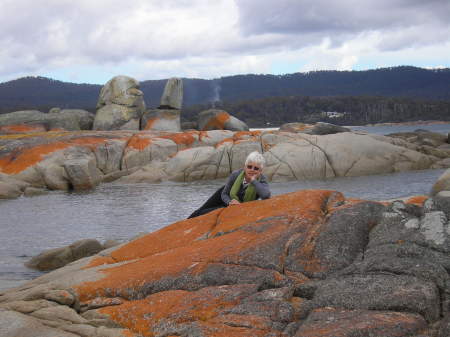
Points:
(261, 186)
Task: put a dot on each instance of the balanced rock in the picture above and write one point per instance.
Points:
(214, 119)
(161, 120)
(172, 97)
(120, 105)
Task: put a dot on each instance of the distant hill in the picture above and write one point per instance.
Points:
(43, 93)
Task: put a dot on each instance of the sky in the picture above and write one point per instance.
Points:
(91, 41)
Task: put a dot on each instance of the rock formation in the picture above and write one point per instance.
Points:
(120, 105)
(430, 143)
(172, 97)
(306, 264)
(319, 128)
(59, 257)
(81, 160)
(161, 120)
(35, 121)
(214, 119)
(167, 116)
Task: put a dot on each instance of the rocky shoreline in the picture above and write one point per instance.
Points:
(307, 264)
(80, 160)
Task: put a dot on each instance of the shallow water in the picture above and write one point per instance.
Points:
(118, 211)
(387, 129)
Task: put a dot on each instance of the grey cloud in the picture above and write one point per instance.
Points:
(337, 17)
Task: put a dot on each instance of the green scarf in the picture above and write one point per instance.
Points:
(250, 192)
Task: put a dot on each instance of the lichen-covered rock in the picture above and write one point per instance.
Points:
(120, 105)
(80, 160)
(161, 120)
(214, 119)
(307, 264)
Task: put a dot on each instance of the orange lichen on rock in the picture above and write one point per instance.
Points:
(179, 234)
(171, 311)
(181, 138)
(21, 128)
(239, 233)
(244, 135)
(417, 200)
(224, 141)
(150, 123)
(217, 122)
(20, 160)
(100, 260)
(139, 142)
(292, 205)
(91, 142)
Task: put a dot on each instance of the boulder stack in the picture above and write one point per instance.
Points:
(120, 105)
(172, 97)
(167, 116)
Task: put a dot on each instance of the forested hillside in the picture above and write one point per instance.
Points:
(388, 94)
(352, 110)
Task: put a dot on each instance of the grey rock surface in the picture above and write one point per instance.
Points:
(214, 119)
(172, 97)
(58, 257)
(161, 120)
(120, 102)
(442, 184)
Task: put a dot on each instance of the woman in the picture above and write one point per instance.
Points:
(243, 185)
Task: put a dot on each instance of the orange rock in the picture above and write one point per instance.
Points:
(252, 234)
(218, 122)
(417, 200)
(21, 128)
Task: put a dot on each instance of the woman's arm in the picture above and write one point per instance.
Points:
(262, 187)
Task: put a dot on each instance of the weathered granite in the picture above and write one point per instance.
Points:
(308, 264)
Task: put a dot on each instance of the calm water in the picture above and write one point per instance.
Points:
(384, 129)
(117, 211)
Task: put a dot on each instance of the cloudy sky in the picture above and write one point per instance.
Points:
(90, 41)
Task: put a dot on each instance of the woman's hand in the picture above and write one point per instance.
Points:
(233, 202)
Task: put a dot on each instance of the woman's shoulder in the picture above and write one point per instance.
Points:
(236, 172)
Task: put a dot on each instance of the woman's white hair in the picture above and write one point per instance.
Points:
(256, 158)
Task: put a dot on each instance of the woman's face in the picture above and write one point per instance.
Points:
(252, 170)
